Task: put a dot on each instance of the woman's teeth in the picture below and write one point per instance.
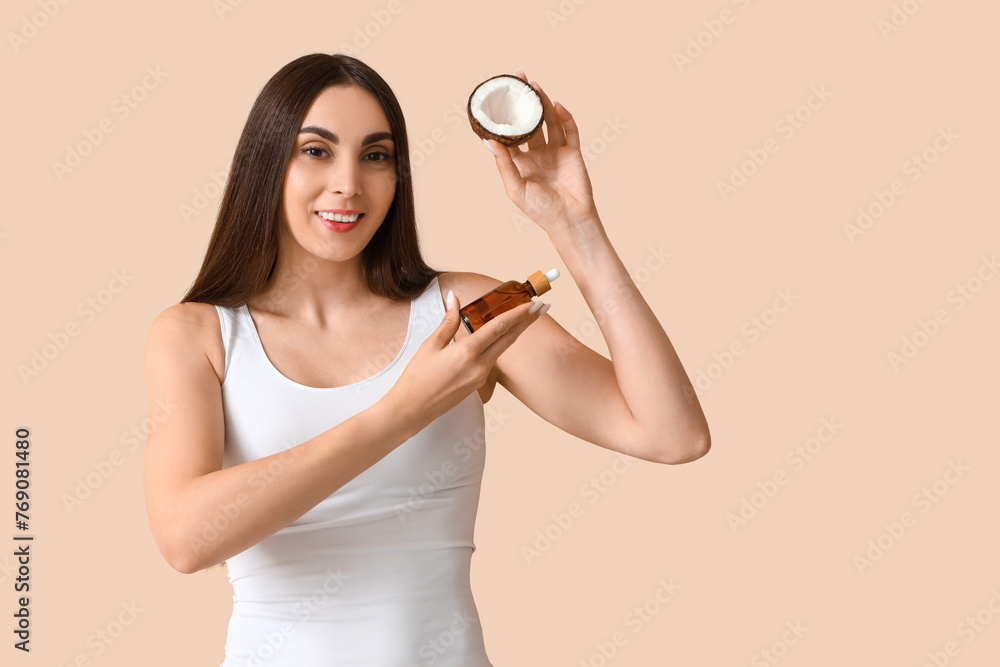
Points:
(338, 217)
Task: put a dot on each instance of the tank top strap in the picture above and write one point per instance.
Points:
(232, 330)
(427, 312)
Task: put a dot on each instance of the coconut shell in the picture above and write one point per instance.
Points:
(506, 140)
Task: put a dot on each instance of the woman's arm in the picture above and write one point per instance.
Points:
(640, 402)
(201, 514)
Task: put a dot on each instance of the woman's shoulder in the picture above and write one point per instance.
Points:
(190, 317)
(467, 285)
(192, 325)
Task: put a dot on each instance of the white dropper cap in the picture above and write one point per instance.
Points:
(540, 281)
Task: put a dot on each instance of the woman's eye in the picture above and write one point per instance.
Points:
(308, 150)
(385, 156)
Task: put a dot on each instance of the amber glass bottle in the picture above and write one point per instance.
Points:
(505, 297)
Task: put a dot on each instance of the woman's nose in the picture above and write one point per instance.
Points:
(346, 179)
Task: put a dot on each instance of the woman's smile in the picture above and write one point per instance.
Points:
(340, 222)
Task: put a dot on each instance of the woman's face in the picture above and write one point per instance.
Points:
(343, 160)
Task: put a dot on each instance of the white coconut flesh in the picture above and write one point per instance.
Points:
(506, 106)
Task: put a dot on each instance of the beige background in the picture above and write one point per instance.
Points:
(660, 137)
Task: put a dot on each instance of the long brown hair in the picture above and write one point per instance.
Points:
(243, 249)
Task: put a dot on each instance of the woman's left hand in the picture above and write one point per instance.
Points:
(549, 181)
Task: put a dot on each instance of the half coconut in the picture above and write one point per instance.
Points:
(506, 109)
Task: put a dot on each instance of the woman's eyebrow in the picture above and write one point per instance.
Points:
(334, 139)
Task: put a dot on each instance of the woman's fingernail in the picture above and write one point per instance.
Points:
(451, 299)
(544, 309)
(535, 306)
(489, 147)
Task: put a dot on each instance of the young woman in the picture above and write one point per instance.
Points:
(326, 443)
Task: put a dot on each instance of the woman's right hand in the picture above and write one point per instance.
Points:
(440, 375)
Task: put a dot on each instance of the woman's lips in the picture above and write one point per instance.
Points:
(340, 226)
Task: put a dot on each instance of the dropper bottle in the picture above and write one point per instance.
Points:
(505, 297)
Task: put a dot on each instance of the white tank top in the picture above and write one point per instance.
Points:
(377, 574)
